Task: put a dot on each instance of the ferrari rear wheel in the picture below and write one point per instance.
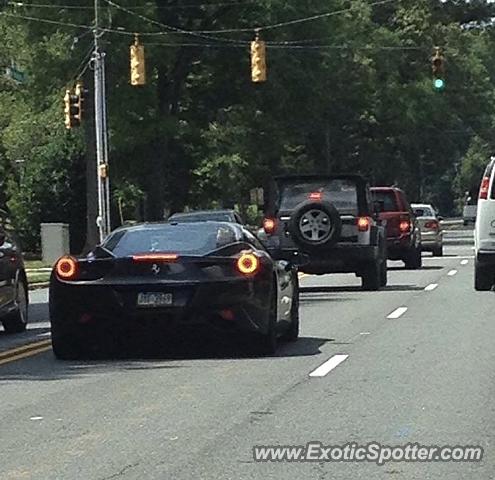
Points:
(267, 342)
(292, 333)
(65, 344)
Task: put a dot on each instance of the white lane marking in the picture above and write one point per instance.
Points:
(431, 287)
(365, 333)
(328, 366)
(36, 418)
(453, 257)
(452, 273)
(464, 262)
(397, 313)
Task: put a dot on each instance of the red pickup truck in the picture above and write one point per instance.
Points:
(403, 233)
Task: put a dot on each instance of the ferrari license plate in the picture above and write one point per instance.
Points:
(154, 299)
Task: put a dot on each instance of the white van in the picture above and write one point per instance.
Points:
(484, 232)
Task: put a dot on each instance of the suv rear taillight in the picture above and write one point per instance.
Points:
(269, 225)
(484, 188)
(405, 225)
(363, 224)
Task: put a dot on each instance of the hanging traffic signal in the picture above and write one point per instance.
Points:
(438, 69)
(138, 71)
(72, 110)
(79, 92)
(258, 60)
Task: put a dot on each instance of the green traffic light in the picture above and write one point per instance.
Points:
(439, 84)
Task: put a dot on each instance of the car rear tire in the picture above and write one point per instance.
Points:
(16, 322)
(325, 220)
(483, 278)
(384, 274)
(438, 251)
(292, 334)
(414, 260)
(65, 346)
(266, 343)
(372, 276)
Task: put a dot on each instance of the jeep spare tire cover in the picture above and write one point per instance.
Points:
(315, 225)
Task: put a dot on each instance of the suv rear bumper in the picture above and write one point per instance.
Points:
(486, 257)
(338, 259)
(398, 247)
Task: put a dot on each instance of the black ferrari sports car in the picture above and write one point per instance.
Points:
(209, 274)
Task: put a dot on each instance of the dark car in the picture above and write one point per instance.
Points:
(403, 231)
(328, 223)
(13, 283)
(207, 216)
(190, 275)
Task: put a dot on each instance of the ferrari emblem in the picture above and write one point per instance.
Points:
(155, 269)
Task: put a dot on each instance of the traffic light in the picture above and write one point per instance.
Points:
(258, 60)
(79, 91)
(73, 107)
(138, 71)
(438, 68)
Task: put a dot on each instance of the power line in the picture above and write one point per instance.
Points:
(46, 20)
(281, 46)
(135, 7)
(170, 27)
(295, 21)
(234, 44)
(199, 33)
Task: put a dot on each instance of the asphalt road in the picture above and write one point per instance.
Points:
(425, 375)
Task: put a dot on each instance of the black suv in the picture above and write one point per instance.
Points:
(13, 281)
(326, 224)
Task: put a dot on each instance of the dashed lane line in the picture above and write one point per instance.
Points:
(397, 313)
(328, 366)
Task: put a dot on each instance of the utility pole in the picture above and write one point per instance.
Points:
(103, 183)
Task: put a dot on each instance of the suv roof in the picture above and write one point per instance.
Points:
(386, 189)
(296, 177)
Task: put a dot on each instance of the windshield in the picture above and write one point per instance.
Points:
(197, 239)
(341, 193)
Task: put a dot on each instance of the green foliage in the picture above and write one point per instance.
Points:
(472, 167)
(200, 134)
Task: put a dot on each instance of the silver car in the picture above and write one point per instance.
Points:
(431, 230)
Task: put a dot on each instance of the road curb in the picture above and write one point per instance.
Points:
(39, 285)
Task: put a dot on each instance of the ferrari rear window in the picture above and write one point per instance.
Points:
(183, 239)
(341, 193)
(202, 217)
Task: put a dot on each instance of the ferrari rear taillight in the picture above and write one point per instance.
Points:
(248, 263)
(363, 224)
(484, 188)
(155, 257)
(269, 225)
(67, 268)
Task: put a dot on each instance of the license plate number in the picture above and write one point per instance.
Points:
(153, 300)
